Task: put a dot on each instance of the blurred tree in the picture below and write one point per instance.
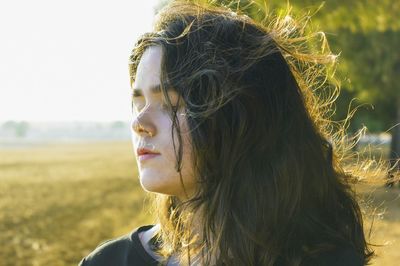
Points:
(19, 128)
(118, 125)
(368, 37)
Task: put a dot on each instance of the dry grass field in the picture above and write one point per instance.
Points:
(57, 202)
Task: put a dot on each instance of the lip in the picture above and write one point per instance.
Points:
(141, 151)
(147, 156)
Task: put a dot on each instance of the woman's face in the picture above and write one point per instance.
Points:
(151, 129)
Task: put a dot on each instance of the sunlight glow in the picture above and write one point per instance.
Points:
(68, 60)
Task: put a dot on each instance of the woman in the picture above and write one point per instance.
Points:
(236, 146)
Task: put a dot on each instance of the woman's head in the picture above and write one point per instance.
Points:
(241, 100)
(261, 166)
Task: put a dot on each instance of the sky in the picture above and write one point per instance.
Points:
(68, 60)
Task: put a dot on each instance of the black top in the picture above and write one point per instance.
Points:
(122, 251)
(127, 250)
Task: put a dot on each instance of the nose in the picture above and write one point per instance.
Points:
(143, 128)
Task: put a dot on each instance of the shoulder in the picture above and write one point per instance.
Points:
(344, 256)
(116, 251)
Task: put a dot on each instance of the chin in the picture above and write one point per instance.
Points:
(154, 185)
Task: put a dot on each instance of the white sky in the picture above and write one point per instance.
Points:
(68, 60)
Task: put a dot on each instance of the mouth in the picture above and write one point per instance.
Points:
(144, 154)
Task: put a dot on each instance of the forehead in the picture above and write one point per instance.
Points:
(148, 74)
(148, 71)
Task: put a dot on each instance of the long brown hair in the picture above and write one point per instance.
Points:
(272, 186)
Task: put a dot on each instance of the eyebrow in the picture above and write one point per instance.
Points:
(154, 89)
